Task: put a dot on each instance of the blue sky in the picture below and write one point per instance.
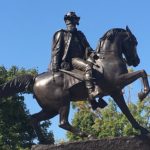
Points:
(27, 27)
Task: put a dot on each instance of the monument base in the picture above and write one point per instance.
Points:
(119, 143)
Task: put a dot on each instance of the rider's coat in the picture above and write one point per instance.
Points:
(68, 45)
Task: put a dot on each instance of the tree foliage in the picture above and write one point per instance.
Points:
(15, 129)
(110, 121)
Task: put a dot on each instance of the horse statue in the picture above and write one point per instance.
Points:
(54, 92)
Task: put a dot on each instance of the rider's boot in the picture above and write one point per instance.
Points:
(96, 104)
(93, 91)
(101, 103)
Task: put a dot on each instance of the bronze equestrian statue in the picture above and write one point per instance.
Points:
(55, 90)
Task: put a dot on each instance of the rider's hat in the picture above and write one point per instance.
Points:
(71, 16)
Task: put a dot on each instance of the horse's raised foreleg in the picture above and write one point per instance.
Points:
(128, 78)
(64, 123)
(36, 119)
(119, 99)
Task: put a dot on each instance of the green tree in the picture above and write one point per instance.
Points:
(15, 130)
(110, 121)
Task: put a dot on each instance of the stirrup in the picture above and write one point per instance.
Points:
(95, 92)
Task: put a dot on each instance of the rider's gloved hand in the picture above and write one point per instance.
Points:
(55, 68)
(66, 65)
(94, 55)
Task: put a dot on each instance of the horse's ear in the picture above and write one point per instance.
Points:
(128, 30)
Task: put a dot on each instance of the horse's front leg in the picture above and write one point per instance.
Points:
(128, 78)
(119, 99)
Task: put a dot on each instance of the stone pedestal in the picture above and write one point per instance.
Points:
(121, 143)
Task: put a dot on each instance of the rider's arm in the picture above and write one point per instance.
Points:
(88, 50)
(57, 48)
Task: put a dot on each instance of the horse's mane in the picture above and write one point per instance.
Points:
(112, 33)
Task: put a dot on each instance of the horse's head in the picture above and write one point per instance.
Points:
(129, 48)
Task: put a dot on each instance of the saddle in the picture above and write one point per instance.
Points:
(75, 76)
(71, 78)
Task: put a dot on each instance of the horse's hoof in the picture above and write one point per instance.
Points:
(83, 135)
(144, 131)
(91, 137)
(141, 96)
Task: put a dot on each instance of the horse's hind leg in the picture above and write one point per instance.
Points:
(128, 78)
(35, 120)
(64, 123)
(119, 99)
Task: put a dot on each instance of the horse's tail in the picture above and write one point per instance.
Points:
(20, 84)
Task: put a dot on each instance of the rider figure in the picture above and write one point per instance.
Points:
(70, 50)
